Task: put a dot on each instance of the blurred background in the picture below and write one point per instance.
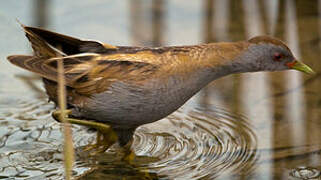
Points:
(249, 126)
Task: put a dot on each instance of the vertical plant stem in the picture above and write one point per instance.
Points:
(68, 144)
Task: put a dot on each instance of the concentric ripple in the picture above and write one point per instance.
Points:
(198, 144)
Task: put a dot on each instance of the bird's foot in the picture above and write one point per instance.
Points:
(104, 128)
(129, 156)
(57, 115)
(104, 141)
(106, 137)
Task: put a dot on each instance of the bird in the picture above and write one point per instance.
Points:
(116, 89)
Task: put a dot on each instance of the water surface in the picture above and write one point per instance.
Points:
(250, 126)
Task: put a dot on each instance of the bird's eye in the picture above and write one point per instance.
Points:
(277, 57)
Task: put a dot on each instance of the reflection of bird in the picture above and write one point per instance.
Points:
(126, 87)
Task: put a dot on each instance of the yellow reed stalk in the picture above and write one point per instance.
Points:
(68, 144)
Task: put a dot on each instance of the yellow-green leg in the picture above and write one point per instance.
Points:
(106, 137)
(129, 155)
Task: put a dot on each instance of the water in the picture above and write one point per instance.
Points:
(252, 126)
(200, 143)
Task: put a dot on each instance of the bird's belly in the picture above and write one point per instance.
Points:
(131, 106)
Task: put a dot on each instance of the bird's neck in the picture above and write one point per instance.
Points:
(207, 63)
(220, 59)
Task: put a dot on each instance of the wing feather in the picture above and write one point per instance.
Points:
(104, 72)
(89, 75)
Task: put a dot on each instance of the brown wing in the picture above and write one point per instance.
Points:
(89, 66)
(44, 67)
(87, 73)
(104, 72)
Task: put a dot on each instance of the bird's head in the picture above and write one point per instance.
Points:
(265, 53)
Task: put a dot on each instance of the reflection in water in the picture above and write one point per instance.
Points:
(221, 19)
(257, 86)
(41, 12)
(305, 173)
(295, 100)
(272, 8)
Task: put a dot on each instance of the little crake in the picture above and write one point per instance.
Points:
(115, 89)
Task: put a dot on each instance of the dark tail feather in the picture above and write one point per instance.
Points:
(40, 47)
(68, 45)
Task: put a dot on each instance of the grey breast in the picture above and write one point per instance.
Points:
(129, 105)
